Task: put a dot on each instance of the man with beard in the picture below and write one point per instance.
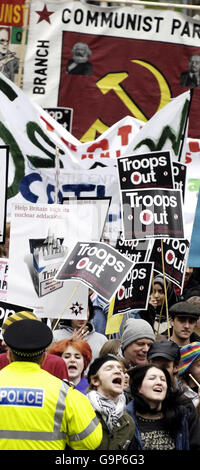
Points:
(79, 64)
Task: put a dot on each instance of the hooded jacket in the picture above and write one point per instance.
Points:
(94, 339)
(152, 313)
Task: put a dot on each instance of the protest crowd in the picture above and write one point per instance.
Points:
(100, 312)
(137, 391)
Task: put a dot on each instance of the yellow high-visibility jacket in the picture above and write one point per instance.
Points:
(40, 412)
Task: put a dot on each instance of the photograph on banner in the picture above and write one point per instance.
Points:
(135, 290)
(12, 20)
(7, 309)
(98, 265)
(4, 262)
(180, 173)
(4, 156)
(135, 250)
(96, 207)
(146, 170)
(40, 238)
(175, 255)
(152, 213)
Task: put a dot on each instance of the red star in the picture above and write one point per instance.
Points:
(44, 14)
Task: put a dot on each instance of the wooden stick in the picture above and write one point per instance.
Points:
(165, 289)
(66, 305)
(160, 316)
(195, 381)
(57, 168)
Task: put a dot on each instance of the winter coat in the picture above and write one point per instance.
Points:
(187, 438)
(121, 436)
(82, 386)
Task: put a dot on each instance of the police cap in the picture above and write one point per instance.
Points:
(28, 337)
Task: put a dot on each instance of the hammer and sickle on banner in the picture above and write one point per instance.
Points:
(112, 81)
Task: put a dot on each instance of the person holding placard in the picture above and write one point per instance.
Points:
(81, 329)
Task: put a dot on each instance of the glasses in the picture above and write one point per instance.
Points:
(4, 41)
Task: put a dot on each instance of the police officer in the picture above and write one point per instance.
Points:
(38, 411)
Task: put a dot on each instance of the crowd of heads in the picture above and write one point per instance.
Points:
(152, 370)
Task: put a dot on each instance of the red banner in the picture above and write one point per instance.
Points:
(12, 12)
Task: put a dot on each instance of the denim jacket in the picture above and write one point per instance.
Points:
(181, 438)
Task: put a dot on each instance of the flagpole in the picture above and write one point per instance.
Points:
(165, 289)
(23, 42)
(57, 171)
(185, 126)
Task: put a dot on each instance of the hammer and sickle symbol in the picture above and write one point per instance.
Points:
(113, 81)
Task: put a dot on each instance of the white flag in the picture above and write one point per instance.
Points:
(166, 130)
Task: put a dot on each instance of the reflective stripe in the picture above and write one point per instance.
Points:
(56, 435)
(60, 407)
(32, 435)
(86, 432)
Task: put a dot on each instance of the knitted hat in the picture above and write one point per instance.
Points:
(98, 362)
(23, 315)
(136, 328)
(189, 354)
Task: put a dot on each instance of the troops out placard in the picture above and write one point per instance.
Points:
(152, 213)
(97, 265)
(134, 292)
(146, 170)
(175, 254)
(180, 172)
